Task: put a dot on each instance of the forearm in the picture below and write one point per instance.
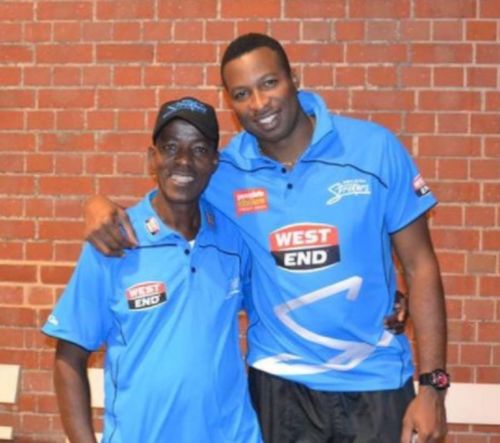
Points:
(427, 307)
(73, 394)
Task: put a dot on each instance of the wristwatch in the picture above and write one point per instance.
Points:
(439, 379)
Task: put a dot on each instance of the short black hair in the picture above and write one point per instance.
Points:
(248, 42)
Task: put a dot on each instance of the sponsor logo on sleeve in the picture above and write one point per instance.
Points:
(251, 200)
(420, 186)
(305, 247)
(146, 295)
(348, 188)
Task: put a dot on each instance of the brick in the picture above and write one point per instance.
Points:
(188, 30)
(40, 207)
(383, 100)
(67, 251)
(188, 75)
(350, 76)
(11, 295)
(452, 169)
(69, 208)
(455, 100)
(223, 31)
(66, 98)
(453, 123)
(119, 142)
(489, 374)
(11, 32)
(457, 9)
(461, 331)
(39, 251)
(481, 30)
(126, 31)
(37, 32)
(40, 163)
(349, 30)
(37, 76)
(98, 164)
(127, 76)
(491, 192)
(161, 75)
(11, 120)
(475, 354)
(251, 25)
(365, 53)
(384, 30)
(65, 185)
(302, 9)
(488, 53)
(101, 120)
(11, 76)
(133, 9)
(60, 230)
(449, 76)
(17, 228)
(481, 77)
(96, 75)
(63, 141)
(132, 164)
(415, 76)
(447, 215)
(479, 309)
(131, 98)
(186, 53)
(14, 10)
(441, 53)
(456, 239)
(492, 101)
(379, 9)
(491, 240)
(457, 191)
(66, 76)
(317, 30)
(64, 53)
(55, 274)
(476, 215)
(131, 120)
(16, 184)
(160, 31)
(383, 76)
(269, 9)
(447, 30)
(15, 98)
(17, 273)
(16, 53)
(489, 9)
(489, 331)
(317, 76)
(447, 145)
(128, 186)
(69, 119)
(487, 169)
(492, 146)
(63, 10)
(122, 52)
(415, 30)
(485, 123)
(68, 164)
(489, 286)
(67, 32)
(452, 262)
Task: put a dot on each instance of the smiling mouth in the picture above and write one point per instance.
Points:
(268, 122)
(181, 180)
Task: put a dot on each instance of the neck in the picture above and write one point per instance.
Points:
(288, 150)
(184, 217)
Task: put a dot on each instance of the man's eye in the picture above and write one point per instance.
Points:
(200, 150)
(270, 83)
(169, 148)
(239, 95)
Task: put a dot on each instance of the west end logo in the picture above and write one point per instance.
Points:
(146, 295)
(305, 247)
(347, 188)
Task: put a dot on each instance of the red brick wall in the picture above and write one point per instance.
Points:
(81, 81)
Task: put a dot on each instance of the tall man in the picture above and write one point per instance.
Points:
(321, 201)
(166, 311)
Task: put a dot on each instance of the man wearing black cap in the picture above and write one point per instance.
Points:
(164, 311)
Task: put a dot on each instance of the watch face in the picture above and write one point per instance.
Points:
(440, 379)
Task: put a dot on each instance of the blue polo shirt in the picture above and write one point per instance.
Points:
(323, 275)
(167, 314)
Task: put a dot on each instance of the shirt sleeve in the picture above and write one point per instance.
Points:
(81, 315)
(408, 194)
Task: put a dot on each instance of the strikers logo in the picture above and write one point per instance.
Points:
(250, 200)
(420, 186)
(305, 247)
(146, 295)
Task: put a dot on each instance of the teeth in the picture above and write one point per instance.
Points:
(267, 120)
(182, 179)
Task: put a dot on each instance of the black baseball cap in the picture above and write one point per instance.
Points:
(199, 114)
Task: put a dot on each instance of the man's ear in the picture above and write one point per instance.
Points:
(151, 160)
(295, 78)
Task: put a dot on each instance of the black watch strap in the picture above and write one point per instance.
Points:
(439, 379)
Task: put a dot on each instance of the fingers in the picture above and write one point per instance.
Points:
(111, 237)
(127, 228)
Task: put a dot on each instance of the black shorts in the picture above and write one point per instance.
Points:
(292, 413)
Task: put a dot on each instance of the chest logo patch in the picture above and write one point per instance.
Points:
(146, 295)
(250, 200)
(305, 247)
(348, 188)
(420, 186)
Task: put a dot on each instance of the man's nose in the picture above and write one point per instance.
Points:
(259, 100)
(183, 156)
